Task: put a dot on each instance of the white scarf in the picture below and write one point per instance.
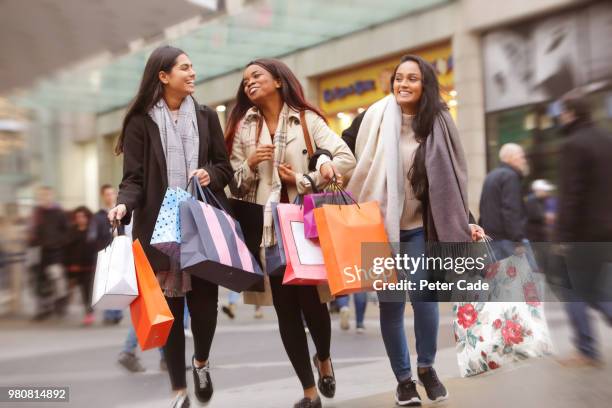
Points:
(379, 175)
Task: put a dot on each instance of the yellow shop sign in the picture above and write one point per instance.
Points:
(362, 86)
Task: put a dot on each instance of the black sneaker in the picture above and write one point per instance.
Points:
(407, 395)
(308, 403)
(434, 388)
(181, 401)
(202, 384)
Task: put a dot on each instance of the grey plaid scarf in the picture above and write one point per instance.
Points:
(180, 140)
(181, 144)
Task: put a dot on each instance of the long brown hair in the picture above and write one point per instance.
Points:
(430, 105)
(291, 91)
(151, 89)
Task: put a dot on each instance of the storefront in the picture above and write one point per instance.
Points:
(529, 66)
(343, 95)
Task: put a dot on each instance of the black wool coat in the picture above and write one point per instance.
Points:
(145, 177)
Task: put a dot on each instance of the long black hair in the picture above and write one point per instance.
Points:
(151, 89)
(291, 91)
(429, 106)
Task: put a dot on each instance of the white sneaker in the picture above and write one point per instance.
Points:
(345, 315)
(181, 400)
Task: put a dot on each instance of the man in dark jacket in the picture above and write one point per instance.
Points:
(585, 221)
(100, 234)
(502, 213)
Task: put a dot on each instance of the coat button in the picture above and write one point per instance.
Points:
(304, 151)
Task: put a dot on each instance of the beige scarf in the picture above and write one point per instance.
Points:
(379, 175)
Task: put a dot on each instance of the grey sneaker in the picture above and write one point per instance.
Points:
(130, 362)
(345, 314)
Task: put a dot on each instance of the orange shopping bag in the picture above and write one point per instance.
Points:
(151, 315)
(342, 231)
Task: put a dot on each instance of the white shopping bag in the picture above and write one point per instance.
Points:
(115, 285)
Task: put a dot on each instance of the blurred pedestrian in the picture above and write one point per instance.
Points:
(100, 234)
(404, 143)
(541, 209)
(168, 138)
(80, 258)
(585, 216)
(502, 211)
(361, 302)
(271, 111)
(230, 308)
(48, 234)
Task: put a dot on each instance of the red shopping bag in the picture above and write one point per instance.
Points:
(305, 265)
(151, 315)
(343, 229)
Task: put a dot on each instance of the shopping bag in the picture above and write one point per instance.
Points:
(151, 316)
(167, 231)
(213, 247)
(304, 258)
(115, 285)
(312, 201)
(496, 333)
(276, 261)
(343, 229)
(250, 217)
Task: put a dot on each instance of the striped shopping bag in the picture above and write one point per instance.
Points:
(213, 246)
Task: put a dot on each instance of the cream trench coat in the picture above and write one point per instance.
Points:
(296, 154)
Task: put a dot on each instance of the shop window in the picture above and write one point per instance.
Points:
(535, 127)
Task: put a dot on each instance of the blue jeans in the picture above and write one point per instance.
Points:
(361, 303)
(426, 316)
(233, 298)
(589, 289)
(131, 343)
(113, 314)
(584, 335)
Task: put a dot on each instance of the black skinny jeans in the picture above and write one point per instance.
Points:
(202, 305)
(290, 303)
(85, 281)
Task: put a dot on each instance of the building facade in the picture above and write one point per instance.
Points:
(475, 47)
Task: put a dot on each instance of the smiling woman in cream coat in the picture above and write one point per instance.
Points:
(267, 140)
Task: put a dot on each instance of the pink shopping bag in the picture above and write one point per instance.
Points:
(305, 265)
(312, 201)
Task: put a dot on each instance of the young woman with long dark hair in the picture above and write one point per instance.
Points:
(167, 138)
(269, 156)
(410, 159)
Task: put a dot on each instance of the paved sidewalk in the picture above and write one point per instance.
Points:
(250, 368)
